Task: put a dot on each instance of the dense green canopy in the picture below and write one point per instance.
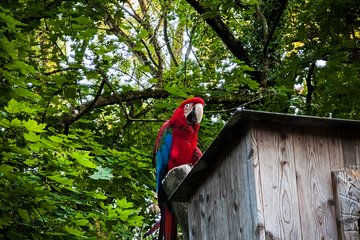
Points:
(85, 86)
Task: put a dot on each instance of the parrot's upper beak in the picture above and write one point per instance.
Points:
(195, 116)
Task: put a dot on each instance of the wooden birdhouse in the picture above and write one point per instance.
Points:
(276, 176)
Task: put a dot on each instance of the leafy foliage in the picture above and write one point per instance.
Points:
(85, 86)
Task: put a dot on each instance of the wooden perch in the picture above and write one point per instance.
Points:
(171, 181)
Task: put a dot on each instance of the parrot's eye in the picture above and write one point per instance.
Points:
(187, 105)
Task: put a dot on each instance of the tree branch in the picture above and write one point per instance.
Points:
(241, 105)
(216, 23)
(167, 41)
(61, 70)
(265, 58)
(87, 109)
(144, 22)
(274, 25)
(310, 87)
(110, 21)
(162, 94)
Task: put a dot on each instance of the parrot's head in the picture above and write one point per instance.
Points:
(190, 112)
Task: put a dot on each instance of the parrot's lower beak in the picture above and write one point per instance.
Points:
(195, 116)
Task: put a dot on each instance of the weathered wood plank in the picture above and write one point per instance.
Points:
(217, 221)
(233, 196)
(244, 195)
(258, 183)
(335, 149)
(312, 164)
(349, 149)
(226, 196)
(250, 187)
(278, 182)
(346, 185)
(206, 209)
(194, 218)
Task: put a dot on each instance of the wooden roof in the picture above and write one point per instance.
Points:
(235, 128)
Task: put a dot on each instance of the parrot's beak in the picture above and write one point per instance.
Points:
(195, 116)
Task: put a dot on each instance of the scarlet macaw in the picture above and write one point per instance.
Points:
(176, 144)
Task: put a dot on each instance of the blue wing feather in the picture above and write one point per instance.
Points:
(162, 156)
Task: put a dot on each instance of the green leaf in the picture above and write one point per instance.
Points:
(31, 161)
(33, 126)
(74, 231)
(62, 180)
(31, 137)
(253, 84)
(247, 68)
(123, 203)
(135, 220)
(83, 159)
(124, 214)
(15, 123)
(176, 91)
(23, 92)
(20, 66)
(5, 123)
(23, 213)
(13, 106)
(22, 151)
(48, 144)
(81, 222)
(102, 173)
(34, 146)
(4, 221)
(56, 139)
(4, 169)
(99, 196)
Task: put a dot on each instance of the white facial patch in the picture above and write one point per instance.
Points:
(193, 113)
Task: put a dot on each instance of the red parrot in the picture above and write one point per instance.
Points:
(176, 144)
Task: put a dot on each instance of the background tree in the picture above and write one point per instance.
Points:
(85, 86)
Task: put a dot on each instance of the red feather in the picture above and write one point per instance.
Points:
(185, 137)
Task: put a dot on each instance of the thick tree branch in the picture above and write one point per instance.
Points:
(216, 23)
(162, 94)
(129, 96)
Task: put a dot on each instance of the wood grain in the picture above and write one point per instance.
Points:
(258, 183)
(278, 183)
(335, 149)
(312, 164)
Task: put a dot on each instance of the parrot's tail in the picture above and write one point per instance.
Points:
(168, 228)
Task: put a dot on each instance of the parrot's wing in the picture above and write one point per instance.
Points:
(162, 152)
